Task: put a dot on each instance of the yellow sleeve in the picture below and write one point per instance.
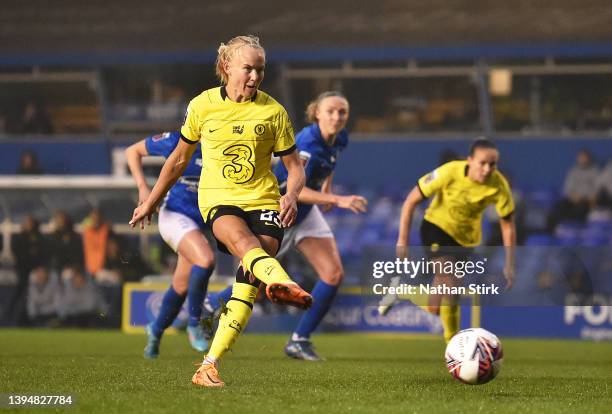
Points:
(505, 203)
(284, 139)
(435, 180)
(191, 125)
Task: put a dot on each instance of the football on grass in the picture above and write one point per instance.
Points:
(474, 356)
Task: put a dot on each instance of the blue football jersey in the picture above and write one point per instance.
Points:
(183, 196)
(320, 161)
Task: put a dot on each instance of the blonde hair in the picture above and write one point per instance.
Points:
(311, 109)
(226, 52)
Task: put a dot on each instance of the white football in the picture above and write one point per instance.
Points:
(474, 356)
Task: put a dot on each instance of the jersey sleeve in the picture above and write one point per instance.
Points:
(284, 140)
(505, 203)
(435, 180)
(162, 144)
(305, 157)
(190, 131)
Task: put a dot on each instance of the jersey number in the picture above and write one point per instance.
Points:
(270, 216)
(240, 169)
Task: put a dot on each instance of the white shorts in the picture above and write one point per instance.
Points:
(173, 226)
(313, 225)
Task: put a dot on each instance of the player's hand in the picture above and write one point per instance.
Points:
(509, 275)
(355, 203)
(143, 194)
(288, 206)
(401, 251)
(145, 210)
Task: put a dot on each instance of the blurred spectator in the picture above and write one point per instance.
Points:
(28, 164)
(43, 297)
(29, 250)
(67, 246)
(111, 273)
(35, 119)
(579, 190)
(80, 301)
(121, 265)
(604, 188)
(95, 236)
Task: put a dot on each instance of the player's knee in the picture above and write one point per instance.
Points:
(333, 276)
(242, 243)
(205, 260)
(180, 285)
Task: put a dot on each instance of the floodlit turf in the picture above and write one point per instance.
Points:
(363, 374)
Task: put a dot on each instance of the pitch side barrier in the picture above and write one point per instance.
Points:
(558, 292)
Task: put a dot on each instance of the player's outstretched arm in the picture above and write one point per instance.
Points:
(295, 184)
(355, 203)
(134, 154)
(173, 168)
(412, 200)
(508, 231)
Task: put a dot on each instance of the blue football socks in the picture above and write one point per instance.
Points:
(215, 299)
(323, 295)
(198, 282)
(170, 308)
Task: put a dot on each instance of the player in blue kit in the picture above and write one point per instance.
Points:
(182, 227)
(318, 145)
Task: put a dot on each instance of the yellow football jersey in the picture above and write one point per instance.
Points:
(459, 202)
(238, 139)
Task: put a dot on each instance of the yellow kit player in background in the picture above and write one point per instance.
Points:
(239, 127)
(452, 224)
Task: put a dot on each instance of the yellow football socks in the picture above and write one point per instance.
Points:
(264, 267)
(233, 321)
(450, 315)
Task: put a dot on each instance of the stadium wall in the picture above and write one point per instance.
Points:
(65, 156)
(385, 162)
(392, 51)
(529, 163)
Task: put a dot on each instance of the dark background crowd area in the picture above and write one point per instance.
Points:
(70, 278)
(65, 278)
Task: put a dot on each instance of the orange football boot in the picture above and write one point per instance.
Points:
(289, 294)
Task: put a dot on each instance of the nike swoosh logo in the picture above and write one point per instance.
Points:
(210, 131)
(211, 379)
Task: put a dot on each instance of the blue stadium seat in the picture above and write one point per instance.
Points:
(568, 233)
(538, 204)
(593, 236)
(540, 239)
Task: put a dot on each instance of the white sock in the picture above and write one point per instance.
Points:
(209, 360)
(296, 337)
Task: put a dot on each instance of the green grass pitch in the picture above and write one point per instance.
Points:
(362, 374)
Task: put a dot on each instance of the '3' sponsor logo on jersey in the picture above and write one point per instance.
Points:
(240, 169)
